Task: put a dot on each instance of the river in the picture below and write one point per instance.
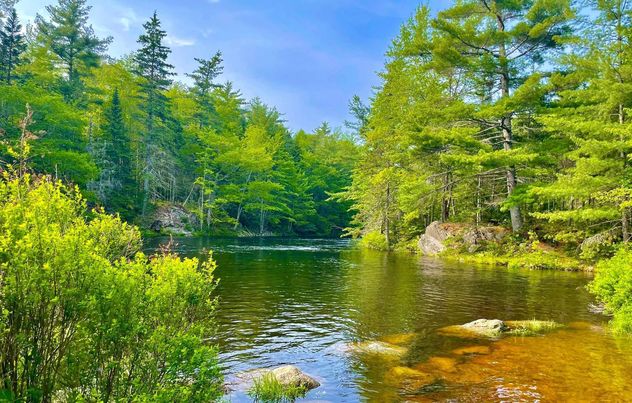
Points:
(301, 301)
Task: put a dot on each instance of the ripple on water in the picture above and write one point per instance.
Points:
(301, 301)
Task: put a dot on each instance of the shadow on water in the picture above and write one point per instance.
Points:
(289, 301)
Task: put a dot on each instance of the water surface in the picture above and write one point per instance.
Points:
(302, 302)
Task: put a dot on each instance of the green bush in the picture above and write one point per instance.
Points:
(269, 389)
(613, 286)
(374, 240)
(86, 316)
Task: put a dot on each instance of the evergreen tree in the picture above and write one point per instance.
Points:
(12, 46)
(593, 193)
(155, 71)
(500, 42)
(203, 84)
(70, 37)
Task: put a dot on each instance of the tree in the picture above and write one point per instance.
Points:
(592, 193)
(499, 42)
(116, 186)
(12, 46)
(73, 41)
(152, 67)
(203, 83)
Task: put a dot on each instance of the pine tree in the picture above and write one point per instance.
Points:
(499, 43)
(12, 45)
(69, 36)
(155, 71)
(203, 83)
(594, 95)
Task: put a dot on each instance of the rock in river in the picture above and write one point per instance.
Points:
(287, 375)
(380, 348)
(477, 328)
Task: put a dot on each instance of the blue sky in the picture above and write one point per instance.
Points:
(306, 57)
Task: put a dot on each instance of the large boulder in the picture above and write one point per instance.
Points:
(286, 375)
(173, 219)
(435, 239)
(487, 326)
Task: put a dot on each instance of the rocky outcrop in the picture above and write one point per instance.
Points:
(440, 236)
(173, 219)
(287, 375)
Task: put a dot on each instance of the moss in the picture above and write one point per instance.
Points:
(269, 389)
(532, 327)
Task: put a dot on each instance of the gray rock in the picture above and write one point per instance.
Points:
(173, 219)
(287, 375)
(488, 327)
(432, 241)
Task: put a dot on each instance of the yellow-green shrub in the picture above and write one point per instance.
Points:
(86, 316)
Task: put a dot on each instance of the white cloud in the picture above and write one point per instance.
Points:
(128, 18)
(176, 42)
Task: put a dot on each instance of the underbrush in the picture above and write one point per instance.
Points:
(269, 389)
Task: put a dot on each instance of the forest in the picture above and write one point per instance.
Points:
(507, 113)
(134, 139)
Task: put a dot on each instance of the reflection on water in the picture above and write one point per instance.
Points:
(302, 301)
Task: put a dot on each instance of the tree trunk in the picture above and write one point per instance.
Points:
(505, 123)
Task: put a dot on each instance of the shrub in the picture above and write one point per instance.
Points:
(613, 286)
(86, 316)
(269, 389)
(374, 240)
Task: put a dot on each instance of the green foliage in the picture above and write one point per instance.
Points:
(613, 286)
(374, 240)
(85, 316)
(268, 389)
(532, 327)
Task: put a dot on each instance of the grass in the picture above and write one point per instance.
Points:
(269, 389)
(532, 327)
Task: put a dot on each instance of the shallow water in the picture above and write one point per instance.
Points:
(302, 301)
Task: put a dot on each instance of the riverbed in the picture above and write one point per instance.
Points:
(303, 301)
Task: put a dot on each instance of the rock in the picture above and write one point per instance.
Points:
(445, 364)
(433, 241)
(377, 348)
(476, 329)
(487, 326)
(173, 219)
(475, 237)
(399, 339)
(287, 375)
(472, 350)
(408, 378)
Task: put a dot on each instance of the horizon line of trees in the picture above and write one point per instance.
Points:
(134, 139)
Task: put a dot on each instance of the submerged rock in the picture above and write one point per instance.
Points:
(287, 375)
(377, 348)
(408, 378)
(472, 350)
(399, 339)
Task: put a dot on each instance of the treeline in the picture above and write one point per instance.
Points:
(133, 139)
(508, 112)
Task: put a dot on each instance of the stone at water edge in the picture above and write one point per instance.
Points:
(286, 375)
(486, 326)
(289, 375)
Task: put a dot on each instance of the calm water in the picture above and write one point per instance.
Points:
(302, 301)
